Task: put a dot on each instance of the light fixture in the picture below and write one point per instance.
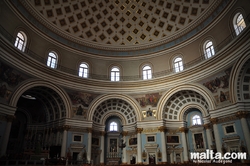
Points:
(29, 97)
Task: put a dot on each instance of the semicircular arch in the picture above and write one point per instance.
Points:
(193, 88)
(32, 83)
(107, 102)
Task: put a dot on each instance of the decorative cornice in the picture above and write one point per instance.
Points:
(150, 130)
(242, 114)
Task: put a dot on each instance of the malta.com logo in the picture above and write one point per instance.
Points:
(210, 157)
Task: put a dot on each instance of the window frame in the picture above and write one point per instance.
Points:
(21, 41)
(192, 119)
(115, 74)
(147, 72)
(239, 25)
(52, 60)
(113, 126)
(178, 65)
(85, 70)
(209, 50)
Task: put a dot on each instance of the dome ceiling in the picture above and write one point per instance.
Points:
(121, 22)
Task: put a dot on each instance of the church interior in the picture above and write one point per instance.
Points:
(124, 82)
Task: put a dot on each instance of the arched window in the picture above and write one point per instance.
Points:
(115, 74)
(209, 49)
(52, 60)
(196, 120)
(113, 126)
(178, 64)
(21, 41)
(83, 70)
(239, 23)
(147, 72)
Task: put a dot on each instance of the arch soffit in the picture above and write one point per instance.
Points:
(235, 74)
(184, 111)
(193, 87)
(115, 113)
(26, 85)
(97, 101)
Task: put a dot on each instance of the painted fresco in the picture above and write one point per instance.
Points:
(149, 100)
(9, 79)
(81, 98)
(80, 103)
(219, 86)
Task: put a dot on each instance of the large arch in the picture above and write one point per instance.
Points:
(187, 87)
(28, 84)
(103, 98)
(236, 75)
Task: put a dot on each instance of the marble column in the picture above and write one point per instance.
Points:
(64, 140)
(124, 150)
(209, 136)
(162, 129)
(218, 143)
(102, 148)
(9, 119)
(172, 157)
(139, 146)
(242, 116)
(183, 131)
(89, 144)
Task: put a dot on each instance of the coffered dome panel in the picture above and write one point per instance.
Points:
(120, 22)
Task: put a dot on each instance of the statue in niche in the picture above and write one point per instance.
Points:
(79, 110)
(149, 113)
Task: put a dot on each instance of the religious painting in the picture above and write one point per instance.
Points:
(149, 99)
(9, 79)
(77, 138)
(229, 129)
(113, 143)
(219, 85)
(95, 141)
(81, 98)
(132, 141)
(246, 96)
(198, 140)
(173, 139)
(150, 138)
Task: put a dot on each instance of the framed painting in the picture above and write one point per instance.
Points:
(173, 139)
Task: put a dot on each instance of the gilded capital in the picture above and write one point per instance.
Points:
(124, 133)
(162, 128)
(183, 129)
(102, 133)
(242, 114)
(214, 120)
(89, 130)
(207, 126)
(66, 127)
(139, 130)
(10, 118)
